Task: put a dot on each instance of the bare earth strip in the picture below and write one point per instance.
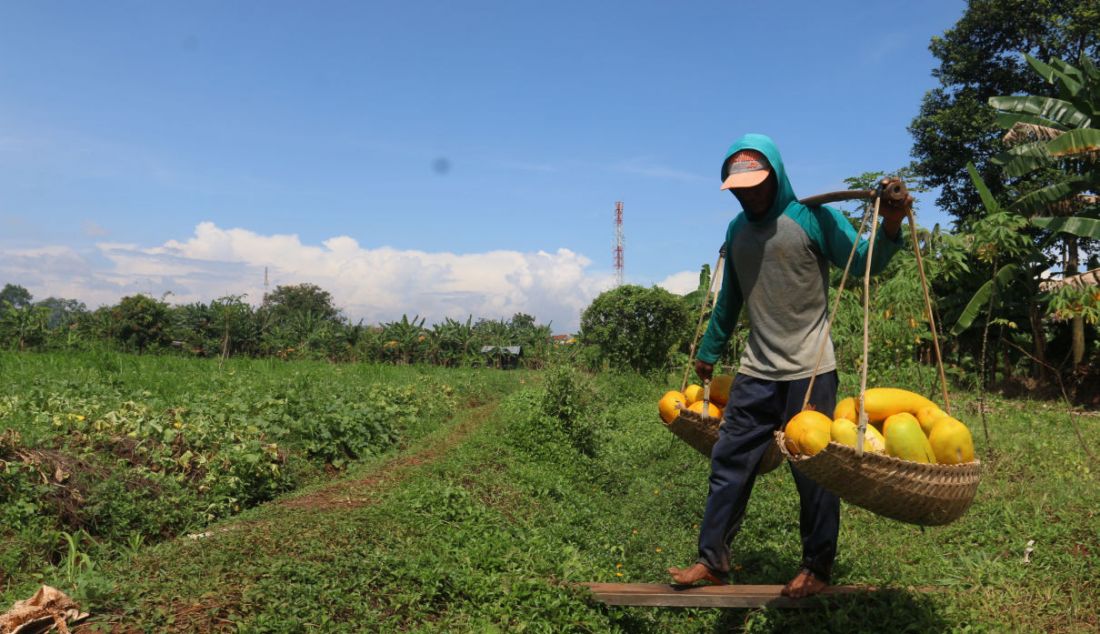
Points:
(345, 494)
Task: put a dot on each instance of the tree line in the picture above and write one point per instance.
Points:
(299, 321)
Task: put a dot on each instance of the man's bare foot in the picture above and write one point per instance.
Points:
(695, 574)
(804, 584)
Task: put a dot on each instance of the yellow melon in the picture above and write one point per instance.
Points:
(713, 411)
(667, 406)
(906, 440)
(882, 403)
(720, 389)
(875, 439)
(808, 432)
(951, 441)
(693, 393)
(845, 432)
(846, 409)
(901, 416)
(927, 417)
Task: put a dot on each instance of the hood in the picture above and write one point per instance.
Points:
(784, 194)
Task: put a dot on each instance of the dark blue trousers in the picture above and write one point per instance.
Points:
(756, 409)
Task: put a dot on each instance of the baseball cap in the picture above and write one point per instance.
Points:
(746, 168)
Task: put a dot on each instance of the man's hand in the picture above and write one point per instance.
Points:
(704, 370)
(893, 211)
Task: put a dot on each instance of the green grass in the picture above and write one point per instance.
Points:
(102, 453)
(489, 532)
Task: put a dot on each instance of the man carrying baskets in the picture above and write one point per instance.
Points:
(777, 268)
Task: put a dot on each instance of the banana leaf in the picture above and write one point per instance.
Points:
(1042, 199)
(1074, 142)
(1068, 80)
(1057, 110)
(1092, 74)
(991, 204)
(1024, 159)
(1044, 69)
(1067, 69)
(1083, 227)
(1008, 119)
(981, 297)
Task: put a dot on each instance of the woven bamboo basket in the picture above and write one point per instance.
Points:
(913, 492)
(701, 433)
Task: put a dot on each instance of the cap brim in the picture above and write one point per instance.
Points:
(745, 179)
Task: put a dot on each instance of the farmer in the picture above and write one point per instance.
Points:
(777, 267)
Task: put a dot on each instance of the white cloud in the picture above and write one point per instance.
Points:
(374, 284)
(681, 283)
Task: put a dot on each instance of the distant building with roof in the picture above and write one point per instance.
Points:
(503, 357)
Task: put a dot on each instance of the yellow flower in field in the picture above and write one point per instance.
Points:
(656, 491)
(618, 574)
(618, 565)
(658, 549)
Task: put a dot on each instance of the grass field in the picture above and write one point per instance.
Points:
(493, 501)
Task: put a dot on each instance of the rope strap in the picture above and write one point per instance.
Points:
(868, 216)
(861, 427)
(715, 281)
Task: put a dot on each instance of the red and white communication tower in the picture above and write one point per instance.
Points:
(618, 252)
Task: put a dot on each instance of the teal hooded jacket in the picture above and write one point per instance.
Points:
(777, 269)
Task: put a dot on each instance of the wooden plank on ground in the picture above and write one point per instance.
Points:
(728, 596)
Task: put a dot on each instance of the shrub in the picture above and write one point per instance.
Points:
(568, 401)
(634, 327)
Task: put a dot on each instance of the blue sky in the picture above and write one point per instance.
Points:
(438, 158)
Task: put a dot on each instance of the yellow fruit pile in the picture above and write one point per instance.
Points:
(903, 424)
(692, 399)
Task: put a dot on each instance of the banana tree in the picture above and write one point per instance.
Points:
(998, 241)
(25, 325)
(452, 341)
(1056, 143)
(405, 340)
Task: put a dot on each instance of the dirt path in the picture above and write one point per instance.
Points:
(211, 611)
(345, 494)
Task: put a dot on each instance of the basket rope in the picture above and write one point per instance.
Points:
(928, 309)
(918, 493)
(832, 315)
(715, 279)
(861, 427)
(923, 494)
(700, 430)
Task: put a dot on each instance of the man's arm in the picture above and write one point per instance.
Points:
(834, 236)
(723, 318)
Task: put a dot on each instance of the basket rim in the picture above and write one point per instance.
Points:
(868, 455)
(686, 413)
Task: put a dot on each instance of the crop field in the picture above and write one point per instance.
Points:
(176, 495)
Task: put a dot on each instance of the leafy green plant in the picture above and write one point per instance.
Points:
(570, 401)
(635, 328)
